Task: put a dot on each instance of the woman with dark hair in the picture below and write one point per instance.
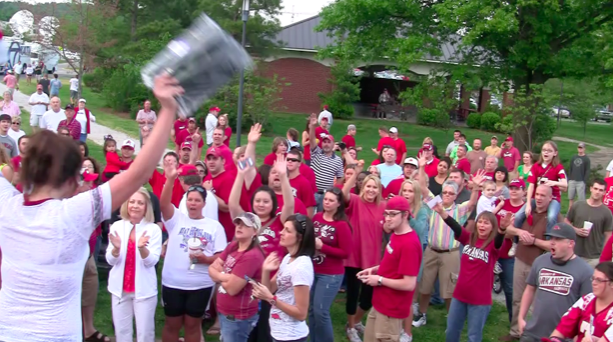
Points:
(435, 184)
(333, 244)
(49, 216)
(472, 297)
(592, 310)
(501, 177)
(292, 284)
(279, 147)
(234, 270)
(83, 148)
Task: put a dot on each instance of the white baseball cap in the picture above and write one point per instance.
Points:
(129, 143)
(82, 100)
(411, 161)
(394, 130)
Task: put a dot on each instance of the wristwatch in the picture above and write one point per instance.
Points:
(380, 282)
(273, 301)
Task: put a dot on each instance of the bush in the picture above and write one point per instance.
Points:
(124, 90)
(426, 117)
(474, 120)
(506, 126)
(489, 121)
(95, 81)
(543, 128)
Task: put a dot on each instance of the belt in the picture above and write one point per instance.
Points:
(445, 250)
(320, 192)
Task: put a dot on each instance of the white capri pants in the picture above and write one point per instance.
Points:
(128, 309)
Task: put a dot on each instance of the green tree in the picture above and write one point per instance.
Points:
(525, 42)
(345, 90)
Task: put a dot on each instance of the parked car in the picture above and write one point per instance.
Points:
(564, 112)
(603, 115)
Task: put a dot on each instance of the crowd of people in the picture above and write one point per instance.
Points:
(265, 249)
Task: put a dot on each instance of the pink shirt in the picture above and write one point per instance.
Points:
(147, 116)
(10, 81)
(509, 157)
(11, 108)
(366, 219)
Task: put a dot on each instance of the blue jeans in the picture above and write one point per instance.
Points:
(552, 214)
(460, 312)
(323, 292)
(83, 137)
(319, 198)
(236, 330)
(506, 279)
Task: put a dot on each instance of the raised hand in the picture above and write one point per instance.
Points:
(313, 120)
(143, 241)
(170, 170)
(281, 165)
(421, 159)
(271, 263)
(115, 240)
(165, 89)
(479, 177)
(196, 137)
(208, 185)
(360, 166)
(255, 133)
(506, 220)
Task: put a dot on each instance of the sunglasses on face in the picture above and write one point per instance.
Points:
(17, 123)
(294, 160)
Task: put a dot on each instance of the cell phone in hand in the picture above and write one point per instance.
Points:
(251, 280)
(243, 164)
(433, 202)
(342, 145)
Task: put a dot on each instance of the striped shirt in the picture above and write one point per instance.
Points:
(74, 126)
(440, 236)
(327, 168)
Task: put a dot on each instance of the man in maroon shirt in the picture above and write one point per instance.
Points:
(301, 187)
(394, 280)
(349, 139)
(399, 145)
(186, 134)
(73, 125)
(462, 163)
(219, 182)
(432, 162)
(510, 156)
(222, 149)
(179, 125)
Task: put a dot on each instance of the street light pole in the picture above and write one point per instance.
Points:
(241, 86)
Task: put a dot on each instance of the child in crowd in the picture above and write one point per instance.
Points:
(113, 163)
(487, 201)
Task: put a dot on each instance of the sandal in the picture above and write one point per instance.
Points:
(98, 337)
(214, 330)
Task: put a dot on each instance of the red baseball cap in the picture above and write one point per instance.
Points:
(398, 203)
(518, 183)
(212, 151)
(427, 147)
(188, 170)
(214, 109)
(325, 136)
(186, 144)
(509, 138)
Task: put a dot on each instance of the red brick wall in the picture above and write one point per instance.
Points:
(307, 78)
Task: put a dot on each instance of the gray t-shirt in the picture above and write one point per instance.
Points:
(10, 145)
(558, 287)
(591, 246)
(579, 168)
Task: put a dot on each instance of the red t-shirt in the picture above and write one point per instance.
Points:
(476, 278)
(582, 315)
(509, 157)
(432, 167)
(336, 238)
(114, 163)
(608, 196)
(157, 182)
(241, 264)
(299, 207)
(393, 187)
(366, 219)
(349, 140)
(179, 126)
(222, 186)
(307, 152)
(401, 148)
(402, 258)
(607, 251)
(309, 174)
(302, 190)
(463, 164)
(185, 135)
(540, 173)
(376, 162)
(228, 133)
(385, 141)
(227, 155)
(507, 208)
(270, 159)
(269, 238)
(16, 161)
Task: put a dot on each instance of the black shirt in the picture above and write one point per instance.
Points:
(45, 83)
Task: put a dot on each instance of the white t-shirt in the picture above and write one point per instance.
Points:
(39, 109)
(299, 272)
(51, 120)
(210, 210)
(485, 204)
(16, 136)
(176, 273)
(29, 70)
(210, 124)
(44, 250)
(83, 119)
(18, 69)
(74, 84)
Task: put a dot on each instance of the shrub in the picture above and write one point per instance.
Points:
(543, 128)
(124, 90)
(489, 121)
(95, 80)
(506, 126)
(426, 117)
(474, 120)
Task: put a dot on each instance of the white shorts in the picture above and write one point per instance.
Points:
(35, 120)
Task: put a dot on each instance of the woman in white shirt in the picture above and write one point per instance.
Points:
(292, 284)
(15, 131)
(136, 243)
(85, 117)
(194, 243)
(52, 226)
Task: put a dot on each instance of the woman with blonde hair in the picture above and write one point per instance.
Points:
(528, 160)
(134, 249)
(5, 165)
(224, 123)
(428, 140)
(365, 212)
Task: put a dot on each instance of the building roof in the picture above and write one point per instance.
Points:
(301, 36)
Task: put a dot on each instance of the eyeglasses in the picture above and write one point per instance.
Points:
(598, 280)
(391, 213)
(294, 160)
(17, 123)
(198, 188)
(302, 223)
(450, 193)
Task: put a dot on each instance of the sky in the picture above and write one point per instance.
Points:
(293, 11)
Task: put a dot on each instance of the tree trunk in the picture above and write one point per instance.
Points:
(524, 135)
(134, 20)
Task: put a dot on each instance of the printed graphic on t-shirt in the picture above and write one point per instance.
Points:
(228, 265)
(324, 232)
(294, 192)
(189, 233)
(476, 253)
(507, 155)
(608, 197)
(268, 235)
(389, 248)
(555, 281)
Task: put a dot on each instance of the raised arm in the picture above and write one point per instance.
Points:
(312, 125)
(423, 177)
(234, 206)
(350, 183)
(167, 208)
(252, 139)
(286, 189)
(196, 152)
(125, 184)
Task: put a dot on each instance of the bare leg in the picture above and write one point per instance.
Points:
(193, 329)
(359, 315)
(424, 303)
(172, 327)
(88, 320)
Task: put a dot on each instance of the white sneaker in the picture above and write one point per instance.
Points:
(512, 250)
(419, 320)
(352, 335)
(360, 328)
(415, 309)
(404, 337)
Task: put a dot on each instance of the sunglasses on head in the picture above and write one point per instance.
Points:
(302, 223)
(198, 188)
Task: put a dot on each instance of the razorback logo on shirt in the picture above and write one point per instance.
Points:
(476, 253)
(507, 154)
(555, 281)
(7, 146)
(319, 258)
(294, 192)
(267, 234)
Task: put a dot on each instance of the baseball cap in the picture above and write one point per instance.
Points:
(214, 109)
(89, 177)
(582, 145)
(186, 144)
(351, 127)
(192, 119)
(5, 117)
(249, 219)
(394, 130)
(509, 139)
(411, 161)
(398, 203)
(69, 106)
(562, 230)
(325, 136)
(82, 100)
(518, 183)
(188, 170)
(212, 151)
(128, 143)
(494, 137)
(427, 147)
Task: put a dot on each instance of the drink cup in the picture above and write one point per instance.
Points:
(194, 245)
(587, 225)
